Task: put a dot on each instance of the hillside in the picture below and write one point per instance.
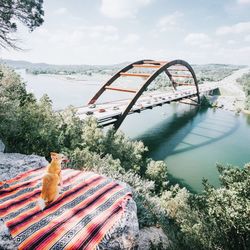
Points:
(204, 72)
(44, 68)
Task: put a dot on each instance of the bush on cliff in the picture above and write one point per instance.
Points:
(218, 218)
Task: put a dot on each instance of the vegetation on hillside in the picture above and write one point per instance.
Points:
(218, 218)
(215, 219)
(214, 72)
(44, 68)
(244, 81)
(206, 72)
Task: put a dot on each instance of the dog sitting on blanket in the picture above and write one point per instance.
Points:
(52, 180)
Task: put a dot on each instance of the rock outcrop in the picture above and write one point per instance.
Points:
(6, 242)
(123, 235)
(12, 164)
(153, 237)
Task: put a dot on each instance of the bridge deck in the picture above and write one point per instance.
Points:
(107, 113)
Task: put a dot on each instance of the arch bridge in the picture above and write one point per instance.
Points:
(179, 72)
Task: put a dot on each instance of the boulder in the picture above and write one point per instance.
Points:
(6, 242)
(153, 238)
(12, 164)
(124, 234)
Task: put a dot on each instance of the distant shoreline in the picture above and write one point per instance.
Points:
(232, 96)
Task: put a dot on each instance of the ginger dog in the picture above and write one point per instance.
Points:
(51, 180)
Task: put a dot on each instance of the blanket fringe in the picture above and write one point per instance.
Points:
(116, 225)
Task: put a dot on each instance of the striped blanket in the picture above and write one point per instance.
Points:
(88, 207)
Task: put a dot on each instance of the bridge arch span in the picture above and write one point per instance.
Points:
(173, 74)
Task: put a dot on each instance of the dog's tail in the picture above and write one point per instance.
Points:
(41, 203)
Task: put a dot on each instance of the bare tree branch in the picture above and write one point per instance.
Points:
(28, 12)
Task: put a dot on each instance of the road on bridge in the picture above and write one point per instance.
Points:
(109, 112)
(106, 113)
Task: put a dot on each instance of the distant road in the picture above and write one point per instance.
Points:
(232, 96)
(237, 74)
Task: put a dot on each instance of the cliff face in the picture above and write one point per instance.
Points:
(123, 235)
(11, 165)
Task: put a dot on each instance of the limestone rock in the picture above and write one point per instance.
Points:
(12, 164)
(6, 242)
(153, 237)
(125, 233)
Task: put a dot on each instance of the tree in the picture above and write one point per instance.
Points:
(28, 12)
(219, 217)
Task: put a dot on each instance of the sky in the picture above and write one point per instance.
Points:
(116, 31)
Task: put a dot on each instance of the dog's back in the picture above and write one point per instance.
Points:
(54, 169)
(50, 187)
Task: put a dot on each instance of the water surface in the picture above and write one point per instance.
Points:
(192, 141)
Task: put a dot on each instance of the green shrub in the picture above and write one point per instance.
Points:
(157, 172)
(219, 218)
(30, 126)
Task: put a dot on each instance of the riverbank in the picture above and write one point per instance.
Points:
(232, 96)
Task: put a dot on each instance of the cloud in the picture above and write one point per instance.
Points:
(243, 1)
(111, 38)
(198, 39)
(61, 11)
(79, 35)
(234, 29)
(122, 8)
(99, 30)
(233, 55)
(131, 38)
(231, 42)
(169, 22)
(247, 38)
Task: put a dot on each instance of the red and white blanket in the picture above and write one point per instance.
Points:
(88, 207)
